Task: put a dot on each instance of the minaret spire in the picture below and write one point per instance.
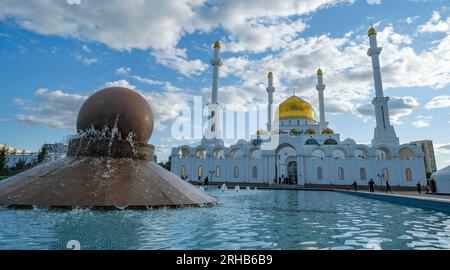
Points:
(216, 63)
(384, 133)
(320, 88)
(270, 89)
(213, 131)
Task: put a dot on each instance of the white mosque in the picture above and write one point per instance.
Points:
(298, 149)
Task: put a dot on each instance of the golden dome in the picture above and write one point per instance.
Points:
(295, 108)
(270, 74)
(319, 72)
(372, 31)
(310, 131)
(261, 132)
(328, 131)
(217, 44)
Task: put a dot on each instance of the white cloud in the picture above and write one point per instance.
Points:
(435, 24)
(55, 109)
(422, 121)
(120, 83)
(438, 102)
(398, 108)
(147, 80)
(85, 59)
(123, 70)
(373, 2)
(255, 25)
(177, 59)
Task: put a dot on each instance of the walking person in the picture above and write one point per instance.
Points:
(371, 184)
(433, 186)
(388, 187)
(419, 188)
(205, 183)
(355, 186)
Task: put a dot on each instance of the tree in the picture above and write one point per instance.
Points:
(43, 155)
(166, 165)
(3, 159)
(20, 166)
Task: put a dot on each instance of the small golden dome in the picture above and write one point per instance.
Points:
(328, 131)
(217, 44)
(295, 108)
(261, 132)
(270, 74)
(310, 131)
(372, 31)
(319, 72)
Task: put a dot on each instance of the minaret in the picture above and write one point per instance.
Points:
(384, 133)
(216, 63)
(270, 89)
(213, 131)
(320, 87)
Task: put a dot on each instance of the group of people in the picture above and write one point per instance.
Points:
(282, 180)
(430, 187)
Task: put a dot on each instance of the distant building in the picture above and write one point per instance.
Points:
(428, 150)
(13, 159)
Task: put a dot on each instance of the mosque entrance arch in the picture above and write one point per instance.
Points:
(292, 169)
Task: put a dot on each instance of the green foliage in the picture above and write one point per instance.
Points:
(43, 155)
(3, 159)
(166, 165)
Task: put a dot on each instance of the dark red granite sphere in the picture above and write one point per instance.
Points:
(117, 106)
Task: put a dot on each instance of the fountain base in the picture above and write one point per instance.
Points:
(99, 182)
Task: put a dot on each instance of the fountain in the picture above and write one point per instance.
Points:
(108, 165)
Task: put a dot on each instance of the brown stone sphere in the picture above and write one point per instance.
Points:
(132, 111)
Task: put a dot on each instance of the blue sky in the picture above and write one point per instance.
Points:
(56, 53)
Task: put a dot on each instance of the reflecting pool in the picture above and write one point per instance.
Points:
(249, 219)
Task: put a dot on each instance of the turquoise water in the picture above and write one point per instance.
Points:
(262, 219)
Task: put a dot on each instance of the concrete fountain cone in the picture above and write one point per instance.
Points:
(108, 165)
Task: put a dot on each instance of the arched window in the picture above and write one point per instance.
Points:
(218, 171)
(341, 174)
(255, 172)
(362, 173)
(236, 171)
(318, 154)
(330, 142)
(385, 174)
(319, 173)
(383, 153)
(361, 154)
(201, 153)
(183, 171)
(408, 174)
(406, 154)
(218, 153)
(183, 153)
(338, 154)
(200, 171)
(311, 142)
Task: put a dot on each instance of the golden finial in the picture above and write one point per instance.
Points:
(372, 30)
(319, 72)
(270, 74)
(217, 44)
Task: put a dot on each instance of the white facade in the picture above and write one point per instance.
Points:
(303, 149)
